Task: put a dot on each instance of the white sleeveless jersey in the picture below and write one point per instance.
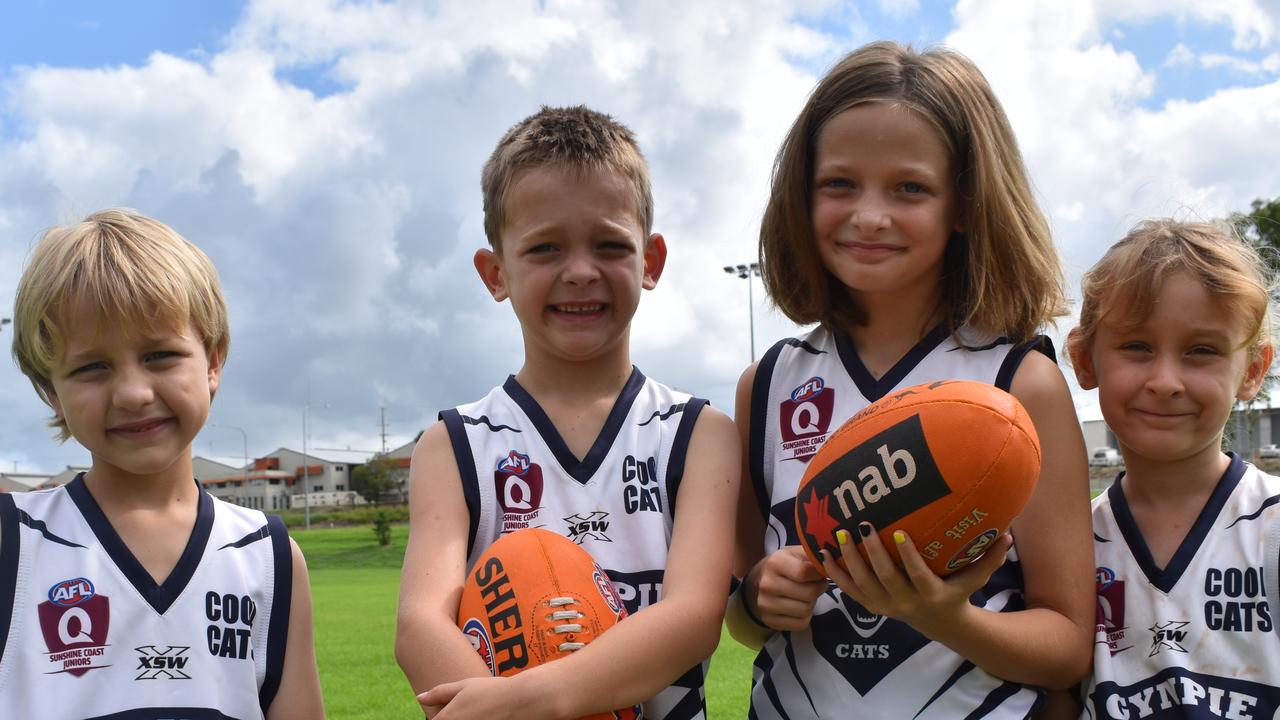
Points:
(86, 633)
(618, 502)
(1198, 638)
(850, 662)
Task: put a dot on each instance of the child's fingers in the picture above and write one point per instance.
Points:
(886, 570)
(918, 572)
(857, 580)
(437, 697)
(980, 571)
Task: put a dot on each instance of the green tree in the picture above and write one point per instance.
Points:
(375, 478)
(1261, 228)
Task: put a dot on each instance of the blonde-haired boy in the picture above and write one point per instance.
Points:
(578, 441)
(131, 592)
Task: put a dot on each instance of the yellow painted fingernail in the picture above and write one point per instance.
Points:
(899, 536)
(842, 536)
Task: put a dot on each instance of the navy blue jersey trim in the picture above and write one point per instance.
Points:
(790, 652)
(759, 418)
(580, 470)
(690, 706)
(1257, 513)
(662, 414)
(484, 420)
(1012, 361)
(40, 527)
(1164, 579)
(453, 422)
(10, 552)
(165, 713)
(994, 699)
(961, 670)
(680, 449)
(871, 388)
(281, 607)
(764, 663)
(158, 596)
(253, 537)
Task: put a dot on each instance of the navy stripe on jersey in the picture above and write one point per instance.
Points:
(282, 603)
(168, 713)
(960, 672)
(249, 539)
(760, 415)
(995, 699)
(1166, 578)
(158, 596)
(40, 527)
(1041, 344)
(9, 553)
(873, 389)
(663, 414)
(453, 422)
(680, 448)
(580, 470)
(1257, 513)
(691, 705)
(482, 420)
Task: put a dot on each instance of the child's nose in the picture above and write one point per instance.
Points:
(132, 389)
(580, 267)
(870, 215)
(1165, 378)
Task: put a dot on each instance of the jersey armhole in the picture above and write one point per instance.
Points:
(680, 449)
(462, 456)
(281, 605)
(10, 550)
(1271, 567)
(759, 419)
(1040, 343)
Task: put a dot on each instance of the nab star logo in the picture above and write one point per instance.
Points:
(818, 523)
(1168, 636)
(591, 526)
(166, 664)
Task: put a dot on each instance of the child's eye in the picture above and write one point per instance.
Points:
(913, 188)
(1134, 346)
(541, 248)
(835, 183)
(160, 355)
(87, 368)
(1204, 350)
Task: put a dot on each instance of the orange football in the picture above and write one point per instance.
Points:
(533, 597)
(951, 463)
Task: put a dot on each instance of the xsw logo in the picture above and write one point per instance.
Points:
(591, 526)
(1168, 636)
(166, 664)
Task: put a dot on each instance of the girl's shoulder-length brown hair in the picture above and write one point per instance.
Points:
(1001, 275)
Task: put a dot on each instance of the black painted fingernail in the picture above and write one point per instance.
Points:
(864, 529)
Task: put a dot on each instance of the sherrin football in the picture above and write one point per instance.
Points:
(951, 463)
(533, 597)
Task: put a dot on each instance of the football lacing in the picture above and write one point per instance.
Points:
(564, 627)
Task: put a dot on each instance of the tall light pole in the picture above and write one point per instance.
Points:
(245, 437)
(745, 272)
(306, 475)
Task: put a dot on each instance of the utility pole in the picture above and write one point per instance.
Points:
(382, 411)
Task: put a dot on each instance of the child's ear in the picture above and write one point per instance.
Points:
(655, 259)
(1081, 360)
(215, 372)
(489, 265)
(1255, 373)
(54, 402)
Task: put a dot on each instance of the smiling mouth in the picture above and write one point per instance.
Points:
(579, 309)
(141, 427)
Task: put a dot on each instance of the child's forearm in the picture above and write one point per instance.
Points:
(1038, 646)
(635, 659)
(432, 651)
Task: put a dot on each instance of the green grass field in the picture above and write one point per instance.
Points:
(354, 584)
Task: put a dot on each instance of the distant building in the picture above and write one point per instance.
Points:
(280, 480)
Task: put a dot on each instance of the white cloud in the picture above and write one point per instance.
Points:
(343, 225)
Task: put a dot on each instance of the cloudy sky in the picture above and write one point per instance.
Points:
(327, 155)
